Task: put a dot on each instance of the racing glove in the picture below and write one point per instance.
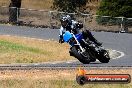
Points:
(61, 39)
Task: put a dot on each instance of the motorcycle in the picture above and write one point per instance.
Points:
(85, 50)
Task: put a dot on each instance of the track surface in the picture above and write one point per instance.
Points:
(116, 41)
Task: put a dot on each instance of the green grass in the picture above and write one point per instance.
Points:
(9, 46)
(11, 52)
(42, 83)
(24, 50)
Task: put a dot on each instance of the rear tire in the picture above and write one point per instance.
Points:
(79, 56)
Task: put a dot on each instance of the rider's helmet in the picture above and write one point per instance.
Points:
(65, 20)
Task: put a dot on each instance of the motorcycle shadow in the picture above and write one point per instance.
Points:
(95, 63)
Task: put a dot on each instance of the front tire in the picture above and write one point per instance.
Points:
(104, 57)
(79, 56)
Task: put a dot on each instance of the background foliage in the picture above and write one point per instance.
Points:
(70, 5)
(114, 8)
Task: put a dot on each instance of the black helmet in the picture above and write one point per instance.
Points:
(65, 20)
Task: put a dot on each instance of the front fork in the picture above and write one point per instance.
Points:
(78, 44)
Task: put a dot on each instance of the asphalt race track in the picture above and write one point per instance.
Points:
(115, 41)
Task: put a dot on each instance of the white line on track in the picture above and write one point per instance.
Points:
(121, 54)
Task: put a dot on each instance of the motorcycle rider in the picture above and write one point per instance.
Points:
(67, 24)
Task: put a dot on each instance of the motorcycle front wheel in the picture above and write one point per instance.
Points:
(104, 57)
(85, 59)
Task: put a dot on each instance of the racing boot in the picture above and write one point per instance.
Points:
(88, 35)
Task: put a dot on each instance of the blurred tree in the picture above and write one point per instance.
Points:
(114, 8)
(70, 5)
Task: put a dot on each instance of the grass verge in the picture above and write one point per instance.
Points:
(26, 50)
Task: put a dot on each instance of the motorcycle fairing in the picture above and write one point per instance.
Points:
(67, 36)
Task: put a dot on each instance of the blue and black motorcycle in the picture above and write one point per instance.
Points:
(84, 50)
